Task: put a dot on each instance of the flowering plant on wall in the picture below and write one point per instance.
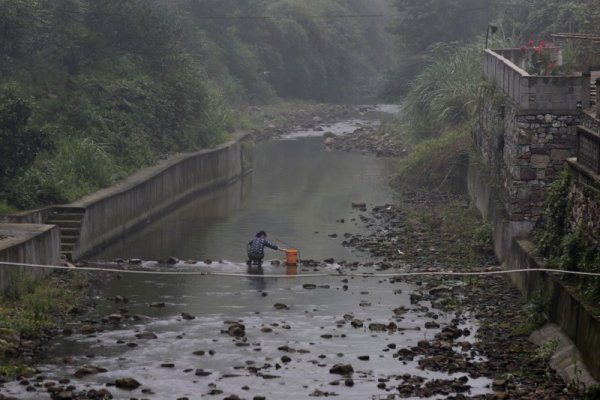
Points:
(541, 59)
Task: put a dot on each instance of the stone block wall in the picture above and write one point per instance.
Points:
(536, 152)
(525, 152)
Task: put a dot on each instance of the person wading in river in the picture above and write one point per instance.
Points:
(256, 249)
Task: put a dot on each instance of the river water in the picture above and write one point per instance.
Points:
(301, 194)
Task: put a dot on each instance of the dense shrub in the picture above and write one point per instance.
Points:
(92, 90)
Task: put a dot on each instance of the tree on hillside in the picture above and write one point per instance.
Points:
(536, 19)
(424, 22)
(19, 144)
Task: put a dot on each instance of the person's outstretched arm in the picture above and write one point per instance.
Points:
(271, 245)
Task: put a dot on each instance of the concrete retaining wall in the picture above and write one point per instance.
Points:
(38, 216)
(27, 243)
(535, 93)
(112, 212)
(516, 252)
(577, 321)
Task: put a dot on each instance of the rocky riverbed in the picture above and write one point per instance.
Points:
(349, 337)
(365, 136)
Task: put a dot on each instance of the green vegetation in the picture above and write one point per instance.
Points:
(565, 245)
(536, 312)
(438, 115)
(29, 309)
(32, 306)
(423, 24)
(444, 59)
(93, 90)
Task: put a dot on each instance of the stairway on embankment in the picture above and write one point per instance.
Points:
(69, 220)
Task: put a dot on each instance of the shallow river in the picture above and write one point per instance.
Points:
(299, 193)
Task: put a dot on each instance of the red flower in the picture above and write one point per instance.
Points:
(542, 44)
(531, 43)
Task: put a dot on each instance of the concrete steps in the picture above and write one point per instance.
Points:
(69, 221)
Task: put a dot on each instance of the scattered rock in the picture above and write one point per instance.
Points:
(236, 330)
(146, 335)
(342, 369)
(187, 317)
(172, 260)
(127, 383)
(88, 370)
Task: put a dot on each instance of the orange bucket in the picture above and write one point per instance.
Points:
(291, 256)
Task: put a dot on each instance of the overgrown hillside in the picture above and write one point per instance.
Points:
(91, 90)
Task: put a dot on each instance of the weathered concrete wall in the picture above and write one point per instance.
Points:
(577, 321)
(540, 94)
(485, 196)
(27, 243)
(38, 216)
(110, 213)
(516, 252)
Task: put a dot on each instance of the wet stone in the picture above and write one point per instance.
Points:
(236, 330)
(88, 370)
(356, 323)
(87, 329)
(146, 335)
(377, 327)
(187, 317)
(201, 372)
(342, 369)
(127, 383)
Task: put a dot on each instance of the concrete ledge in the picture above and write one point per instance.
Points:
(27, 243)
(567, 359)
(577, 321)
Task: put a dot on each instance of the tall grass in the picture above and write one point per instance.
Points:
(438, 115)
(445, 94)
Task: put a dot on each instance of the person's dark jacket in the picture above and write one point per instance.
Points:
(256, 247)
